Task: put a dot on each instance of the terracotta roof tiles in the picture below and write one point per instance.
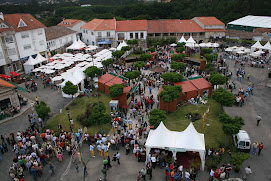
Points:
(4, 83)
(69, 22)
(210, 20)
(100, 25)
(132, 25)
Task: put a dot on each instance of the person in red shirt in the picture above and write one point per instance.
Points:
(260, 146)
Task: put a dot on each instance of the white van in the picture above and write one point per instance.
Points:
(242, 141)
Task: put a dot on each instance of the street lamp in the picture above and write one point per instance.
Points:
(68, 112)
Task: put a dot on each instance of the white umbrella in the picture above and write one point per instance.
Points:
(240, 52)
(58, 67)
(260, 52)
(228, 49)
(202, 44)
(196, 45)
(51, 63)
(209, 44)
(112, 49)
(57, 78)
(215, 45)
(48, 71)
(36, 70)
(67, 55)
(173, 45)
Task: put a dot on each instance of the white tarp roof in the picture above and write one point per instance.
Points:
(254, 21)
(257, 45)
(190, 40)
(31, 61)
(267, 46)
(122, 44)
(40, 58)
(182, 40)
(77, 45)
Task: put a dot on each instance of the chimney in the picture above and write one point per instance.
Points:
(1, 16)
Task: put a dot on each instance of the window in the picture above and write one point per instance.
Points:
(39, 32)
(9, 39)
(42, 42)
(2, 25)
(11, 51)
(99, 34)
(201, 33)
(121, 36)
(136, 35)
(27, 47)
(247, 143)
(141, 35)
(131, 35)
(108, 34)
(241, 143)
(21, 24)
(92, 33)
(25, 35)
(1, 55)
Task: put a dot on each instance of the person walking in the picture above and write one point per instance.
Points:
(149, 171)
(105, 163)
(91, 148)
(118, 157)
(143, 173)
(228, 169)
(259, 118)
(247, 172)
(255, 146)
(52, 169)
(104, 171)
(260, 147)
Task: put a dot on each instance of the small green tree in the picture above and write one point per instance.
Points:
(178, 66)
(70, 89)
(180, 49)
(238, 159)
(151, 49)
(93, 71)
(126, 48)
(223, 97)
(43, 110)
(172, 77)
(139, 64)
(180, 44)
(118, 54)
(144, 57)
(207, 50)
(170, 93)
(178, 57)
(132, 75)
(209, 67)
(107, 62)
(132, 42)
(157, 116)
(116, 90)
(217, 79)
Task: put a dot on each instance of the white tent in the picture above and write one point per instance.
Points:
(40, 58)
(77, 45)
(267, 46)
(122, 44)
(182, 40)
(215, 45)
(202, 44)
(173, 45)
(187, 140)
(257, 45)
(30, 64)
(112, 49)
(228, 49)
(190, 42)
(209, 44)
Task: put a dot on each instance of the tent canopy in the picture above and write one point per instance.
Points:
(267, 46)
(122, 44)
(77, 45)
(182, 40)
(257, 45)
(31, 61)
(40, 58)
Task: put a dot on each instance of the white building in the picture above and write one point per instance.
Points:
(73, 24)
(58, 37)
(100, 32)
(29, 34)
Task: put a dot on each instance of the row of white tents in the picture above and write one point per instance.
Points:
(191, 43)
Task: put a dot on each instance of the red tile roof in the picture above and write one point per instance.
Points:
(100, 25)
(132, 25)
(187, 86)
(263, 30)
(173, 26)
(215, 30)
(4, 83)
(116, 80)
(69, 22)
(31, 22)
(127, 89)
(5, 29)
(210, 20)
(105, 78)
(201, 83)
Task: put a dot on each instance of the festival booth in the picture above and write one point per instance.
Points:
(153, 55)
(188, 140)
(198, 62)
(124, 97)
(267, 46)
(32, 63)
(204, 87)
(115, 80)
(182, 40)
(188, 90)
(172, 106)
(114, 105)
(257, 45)
(103, 79)
(122, 44)
(190, 42)
(77, 45)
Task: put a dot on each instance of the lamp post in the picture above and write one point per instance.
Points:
(95, 80)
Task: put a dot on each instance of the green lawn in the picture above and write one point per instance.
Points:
(197, 56)
(78, 108)
(214, 135)
(133, 55)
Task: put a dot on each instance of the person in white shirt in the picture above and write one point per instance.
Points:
(187, 175)
(247, 172)
(153, 160)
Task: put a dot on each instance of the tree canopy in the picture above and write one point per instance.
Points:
(118, 54)
(43, 110)
(180, 49)
(132, 42)
(178, 66)
(93, 71)
(223, 97)
(116, 90)
(132, 74)
(207, 50)
(157, 116)
(170, 93)
(126, 48)
(151, 49)
(70, 89)
(217, 79)
(139, 64)
(178, 57)
(172, 77)
(144, 57)
(107, 62)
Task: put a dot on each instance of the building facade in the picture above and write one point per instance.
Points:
(112, 32)
(73, 24)
(21, 36)
(58, 38)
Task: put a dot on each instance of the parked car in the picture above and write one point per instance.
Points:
(242, 141)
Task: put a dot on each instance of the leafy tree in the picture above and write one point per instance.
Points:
(238, 159)
(144, 57)
(217, 79)
(132, 75)
(211, 57)
(157, 116)
(118, 54)
(126, 48)
(151, 49)
(139, 64)
(70, 89)
(180, 49)
(99, 108)
(170, 93)
(43, 110)
(107, 62)
(207, 50)
(178, 57)
(172, 77)
(209, 67)
(178, 65)
(223, 97)
(93, 71)
(180, 45)
(132, 42)
(116, 90)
